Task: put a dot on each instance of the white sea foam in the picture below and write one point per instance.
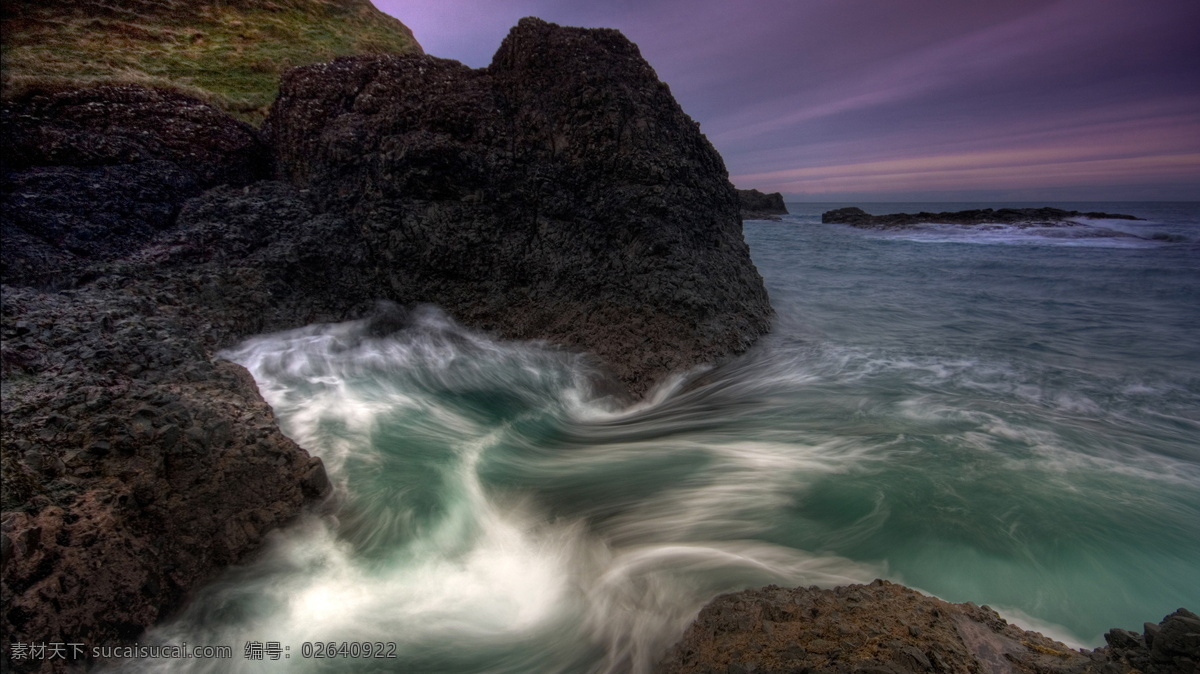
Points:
(494, 514)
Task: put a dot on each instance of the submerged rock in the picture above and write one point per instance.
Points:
(888, 628)
(558, 194)
(757, 205)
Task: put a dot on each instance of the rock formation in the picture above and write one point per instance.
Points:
(757, 205)
(134, 465)
(92, 174)
(1018, 217)
(563, 179)
(884, 628)
(560, 194)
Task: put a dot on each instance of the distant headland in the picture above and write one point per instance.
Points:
(1016, 217)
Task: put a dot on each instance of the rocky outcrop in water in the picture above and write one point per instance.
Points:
(1018, 217)
(883, 628)
(560, 194)
(134, 464)
(563, 180)
(757, 205)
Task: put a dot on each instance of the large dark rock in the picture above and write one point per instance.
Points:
(890, 629)
(134, 465)
(558, 194)
(90, 175)
(110, 125)
(760, 205)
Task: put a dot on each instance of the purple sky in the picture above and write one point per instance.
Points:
(829, 100)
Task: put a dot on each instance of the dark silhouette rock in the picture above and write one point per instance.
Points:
(757, 205)
(1172, 645)
(1020, 217)
(563, 179)
(110, 125)
(134, 465)
(90, 175)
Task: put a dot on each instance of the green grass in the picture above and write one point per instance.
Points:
(228, 53)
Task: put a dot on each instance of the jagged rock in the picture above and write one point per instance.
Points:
(1020, 217)
(1170, 646)
(883, 627)
(109, 125)
(135, 466)
(563, 179)
(757, 205)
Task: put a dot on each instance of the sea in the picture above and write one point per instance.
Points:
(1004, 416)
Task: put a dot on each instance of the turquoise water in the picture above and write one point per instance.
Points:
(1005, 417)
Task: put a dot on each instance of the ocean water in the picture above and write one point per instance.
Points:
(1009, 417)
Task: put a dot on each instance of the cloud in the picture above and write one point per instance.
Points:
(1059, 89)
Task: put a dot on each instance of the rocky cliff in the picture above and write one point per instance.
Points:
(559, 194)
(134, 464)
(757, 205)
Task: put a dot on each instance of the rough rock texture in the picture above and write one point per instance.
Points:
(1020, 217)
(92, 174)
(134, 464)
(757, 205)
(558, 194)
(884, 628)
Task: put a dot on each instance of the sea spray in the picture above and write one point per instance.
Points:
(1011, 429)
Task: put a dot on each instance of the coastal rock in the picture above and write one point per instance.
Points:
(888, 628)
(562, 179)
(560, 194)
(108, 125)
(134, 465)
(90, 175)
(757, 205)
(1018, 217)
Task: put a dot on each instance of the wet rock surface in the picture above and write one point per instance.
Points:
(883, 628)
(560, 194)
(1019, 217)
(757, 205)
(563, 179)
(135, 465)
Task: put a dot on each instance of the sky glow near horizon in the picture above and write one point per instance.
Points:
(831, 100)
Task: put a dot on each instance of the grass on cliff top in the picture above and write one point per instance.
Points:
(229, 53)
